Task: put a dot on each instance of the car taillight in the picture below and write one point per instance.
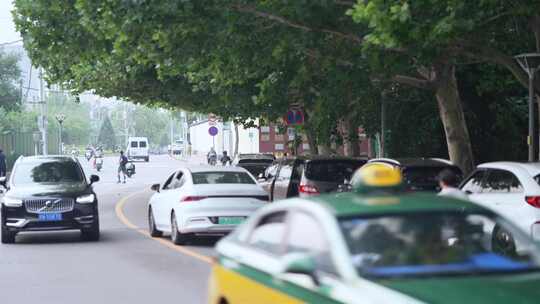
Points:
(192, 198)
(308, 189)
(533, 201)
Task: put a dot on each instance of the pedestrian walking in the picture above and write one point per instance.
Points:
(122, 162)
(448, 181)
(3, 166)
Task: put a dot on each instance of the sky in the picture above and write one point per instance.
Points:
(7, 27)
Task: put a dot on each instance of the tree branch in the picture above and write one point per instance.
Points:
(413, 82)
(252, 10)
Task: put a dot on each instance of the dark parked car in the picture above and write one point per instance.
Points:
(420, 174)
(48, 193)
(256, 164)
(306, 176)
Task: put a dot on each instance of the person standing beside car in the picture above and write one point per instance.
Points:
(3, 166)
(448, 181)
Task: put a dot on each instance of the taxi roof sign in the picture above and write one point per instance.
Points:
(377, 175)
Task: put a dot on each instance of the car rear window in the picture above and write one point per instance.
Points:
(134, 144)
(332, 170)
(254, 169)
(47, 172)
(222, 178)
(425, 178)
(255, 161)
(142, 144)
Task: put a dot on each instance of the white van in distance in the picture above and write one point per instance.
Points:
(137, 148)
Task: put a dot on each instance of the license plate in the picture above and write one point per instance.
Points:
(230, 220)
(48, 217)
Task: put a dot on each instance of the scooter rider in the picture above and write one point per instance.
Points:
(211, 157)
(225, 159)
(122, 166)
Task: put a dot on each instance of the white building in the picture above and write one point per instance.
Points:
(202, 141)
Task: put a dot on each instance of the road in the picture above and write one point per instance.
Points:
(125, 266)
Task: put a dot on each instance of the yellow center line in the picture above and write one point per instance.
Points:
(119, 209)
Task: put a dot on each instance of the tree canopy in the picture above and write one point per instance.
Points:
(10, 76)
(253, 59)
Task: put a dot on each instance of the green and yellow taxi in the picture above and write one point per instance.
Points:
(376, 244)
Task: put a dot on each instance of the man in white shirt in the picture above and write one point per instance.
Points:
(448, 181)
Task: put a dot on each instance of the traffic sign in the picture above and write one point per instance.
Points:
(294, 117)
(213, 131)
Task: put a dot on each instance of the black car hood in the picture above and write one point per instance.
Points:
(36, 190)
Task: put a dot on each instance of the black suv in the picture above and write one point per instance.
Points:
(47, 193)
(420, 174)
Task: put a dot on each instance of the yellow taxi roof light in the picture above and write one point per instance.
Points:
(377, 175)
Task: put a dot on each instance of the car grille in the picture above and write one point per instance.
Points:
(55, 205)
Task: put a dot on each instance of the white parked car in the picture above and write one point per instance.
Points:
(511, 189)
(203, 200)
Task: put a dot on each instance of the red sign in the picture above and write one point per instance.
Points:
(294, 117)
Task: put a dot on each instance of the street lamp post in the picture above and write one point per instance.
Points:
(531, 64)
(60, 118)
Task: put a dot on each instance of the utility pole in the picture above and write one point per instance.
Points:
(43, 114)
(383, 124)
(172, 131)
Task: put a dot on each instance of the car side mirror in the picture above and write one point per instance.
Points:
(94, 179)
(155, 187)
(3, 180)
(302, 264)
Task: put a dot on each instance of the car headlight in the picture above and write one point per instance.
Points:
(86, 199)
(11, 202)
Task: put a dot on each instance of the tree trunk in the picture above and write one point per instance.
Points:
(310, 134)
(453, 118)
(350, 137)
(324, 149)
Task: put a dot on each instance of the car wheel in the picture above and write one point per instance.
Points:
(7, 236)
(177, 237)
(91, 234)
(154, 232)
(503, 242)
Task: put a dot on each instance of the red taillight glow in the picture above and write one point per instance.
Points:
(192, 198)
(308, 189)
(533, 201)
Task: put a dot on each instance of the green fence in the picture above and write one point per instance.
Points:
(16, 144)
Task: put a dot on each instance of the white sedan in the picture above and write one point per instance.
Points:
(510, 188)
(203, 200)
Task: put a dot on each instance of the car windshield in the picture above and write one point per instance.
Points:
(222, 178)
(437, 244)
(424, 178)
(57, 171)
(332, 170)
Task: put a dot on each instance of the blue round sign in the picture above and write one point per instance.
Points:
(213, 131)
